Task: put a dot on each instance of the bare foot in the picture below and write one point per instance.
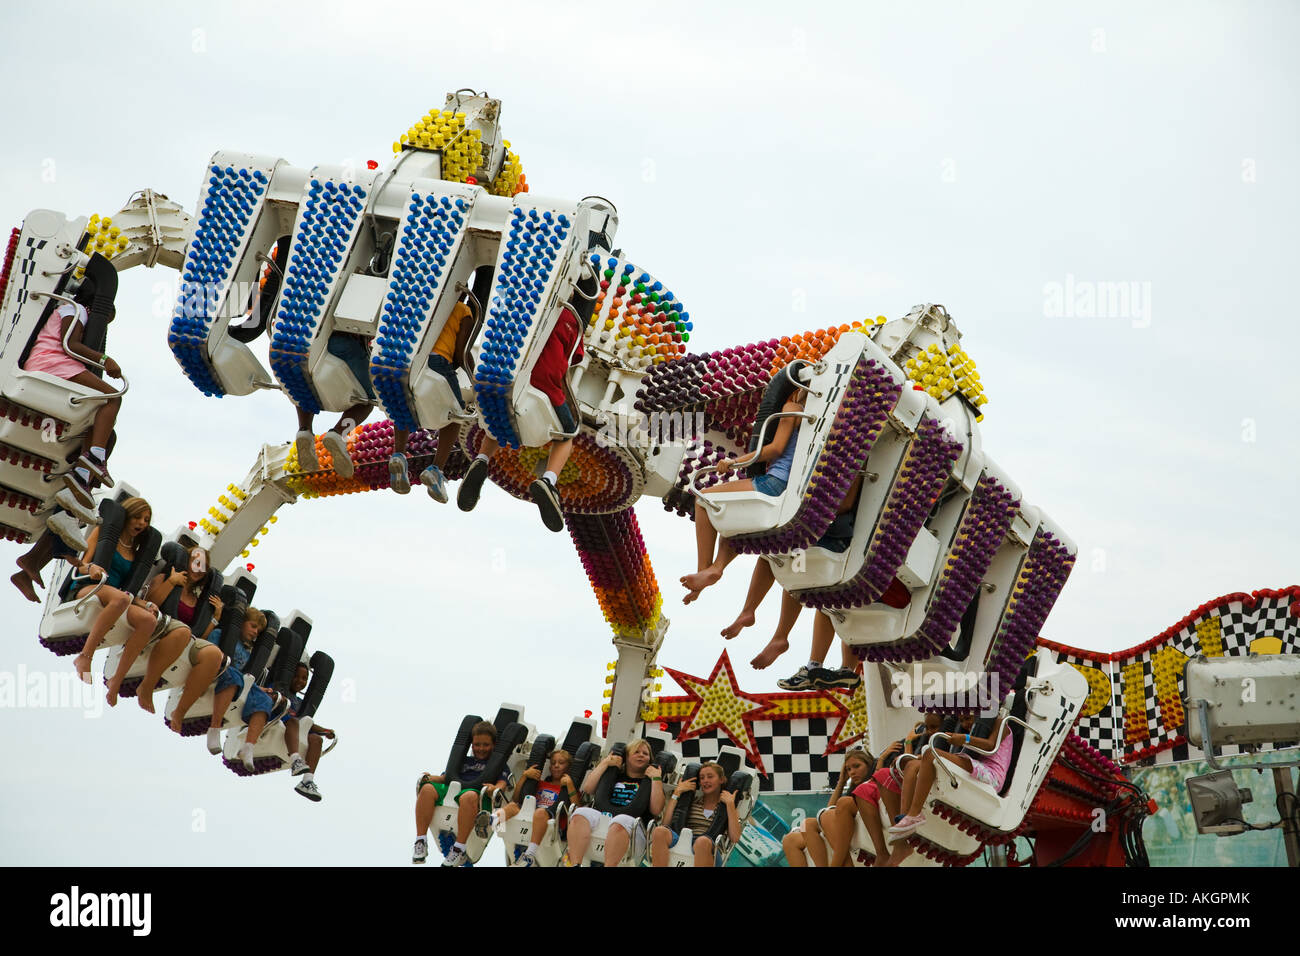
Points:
(82, 663)
(175, 723)
(31, 571)
(23, 582)
(113, 686)
(144, 700)
(697, 582)
(746, 619)
(774, 649)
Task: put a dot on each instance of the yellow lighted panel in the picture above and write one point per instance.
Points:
(942, 374)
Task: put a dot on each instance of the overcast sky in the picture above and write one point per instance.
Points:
(850, 159)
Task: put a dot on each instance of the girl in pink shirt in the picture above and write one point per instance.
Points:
(990, 770)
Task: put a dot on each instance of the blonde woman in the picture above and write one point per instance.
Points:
(628, 788)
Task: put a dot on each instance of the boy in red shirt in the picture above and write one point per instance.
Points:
(561, 349)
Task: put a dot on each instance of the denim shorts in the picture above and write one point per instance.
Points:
(440, 365)
(767, 485)
(258, 700)
(565, 414)
(230, 677)
(352, 350)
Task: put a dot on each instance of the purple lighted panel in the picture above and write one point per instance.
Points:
(983, 526)
(921, 476)
(869, 397)
(1042, 575)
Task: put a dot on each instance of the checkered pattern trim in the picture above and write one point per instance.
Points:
(793, 751)
(1142, 719)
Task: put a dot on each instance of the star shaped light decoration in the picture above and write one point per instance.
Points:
(853, 718)
(719, 704)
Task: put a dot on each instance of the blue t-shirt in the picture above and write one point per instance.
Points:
(471, 770)
(240, 655)
(780, 469)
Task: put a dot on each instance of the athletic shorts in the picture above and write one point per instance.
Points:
(565, 414)
(441, 788)
(634, 827)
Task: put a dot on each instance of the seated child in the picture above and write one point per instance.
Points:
(855, 769)
(709, 798)
(551, 793)
(449, 352)
(882, 784)
(777, 454)
(306, 768)
(990, 769)
(355, 351)
(476, 794)
(47, 355)
(562, 348)
(260, 706)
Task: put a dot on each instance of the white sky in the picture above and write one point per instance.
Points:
(861, 158)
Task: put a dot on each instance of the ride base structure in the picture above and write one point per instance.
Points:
(896, 523)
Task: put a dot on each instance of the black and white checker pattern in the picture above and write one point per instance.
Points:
(792, 752)
(1239, 625)
(1098, 730)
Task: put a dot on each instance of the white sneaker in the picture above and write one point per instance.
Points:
(421, 851)
(432, 479)
(66, 500)
(456, 858)
(397, 477)
(308, 789)
(69, 532)
(305, 442)
(246, 755)
(214, 740)
(337, 446)
(297, 766)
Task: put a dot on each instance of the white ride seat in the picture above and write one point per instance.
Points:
(748, 513)
(743, 783)
(583, 744)
(67, 620)
(514, 739)
(1043, 713)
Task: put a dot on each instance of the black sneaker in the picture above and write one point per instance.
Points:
(801, 680)
(472, 484)
(825, 678)
(80, 489)
(547, 500)
(97, 469)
